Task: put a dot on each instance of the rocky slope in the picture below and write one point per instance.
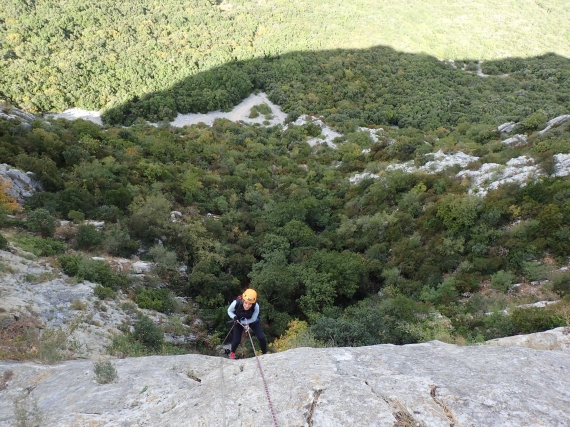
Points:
(32, 290)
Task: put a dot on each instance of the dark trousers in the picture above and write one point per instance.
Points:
(257, 331)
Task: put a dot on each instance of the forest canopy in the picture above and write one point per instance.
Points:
(55, 55)
(375, 261)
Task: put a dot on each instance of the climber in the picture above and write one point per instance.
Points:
(244, 311)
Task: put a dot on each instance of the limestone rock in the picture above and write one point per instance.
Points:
(22, 185)
(516, 140)
(506, 127)
(557, 339)
(562, 164)
(430, 384)
(555, 122)
(139, 267)
(33, 291)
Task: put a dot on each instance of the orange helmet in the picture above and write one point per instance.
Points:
(249, 296)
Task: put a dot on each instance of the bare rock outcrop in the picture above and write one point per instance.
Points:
(21, 185)
(430, 384)
(557, 339)
(35, 291)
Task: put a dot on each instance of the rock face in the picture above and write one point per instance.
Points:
(557, 339)
(22, 185)
(47, 298)
(430, 384)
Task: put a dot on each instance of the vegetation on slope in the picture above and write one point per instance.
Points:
(345, 264)
(373, 262)
(96, 55)
(371, 87)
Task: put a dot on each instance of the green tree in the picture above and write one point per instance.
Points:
(149, 217)
(87, 237)
(459, 213)
(320, 292)
(444, 294)
(148, 333)
(42, 222)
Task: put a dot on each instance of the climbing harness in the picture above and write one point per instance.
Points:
(263, 378)
(260, 371)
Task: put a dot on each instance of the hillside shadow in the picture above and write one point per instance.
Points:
(369, 87)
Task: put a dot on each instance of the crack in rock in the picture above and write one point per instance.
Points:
(448, 413)
(316, 395)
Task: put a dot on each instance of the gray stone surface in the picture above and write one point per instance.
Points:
(22, 185)
(557, 339)
(33, 289)
(555, 122)
(433, 384)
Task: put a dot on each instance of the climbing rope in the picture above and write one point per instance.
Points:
(227, 335)
(264, 381)
(260, 371)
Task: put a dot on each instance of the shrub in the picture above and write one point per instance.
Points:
(296, 336)
(125, 345)
(105, 372)
(546, 162)
(104, 293)
(3, 242)
(70, 264)
(148, 333)
(498, 324)
(444, 293)
(41, 221)
(53, 346)
(78, 305)
(45, 200)
(532, 320)
(118, 242)
(87, 237)
(94, 271)
(502, 280)
(340, 332)
(432, 328)
(534, 121)
(562, 309)
(535, 271)
(156, 299)
(7, 202)
(76, 216)
(41, 247)
(27, 411)
(482, 133)
(561, 284)
(108, 213)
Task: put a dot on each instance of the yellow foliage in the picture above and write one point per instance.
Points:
(289, 339)
(14, 39)
(131, 151)
(515, 211)
(6, 201)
